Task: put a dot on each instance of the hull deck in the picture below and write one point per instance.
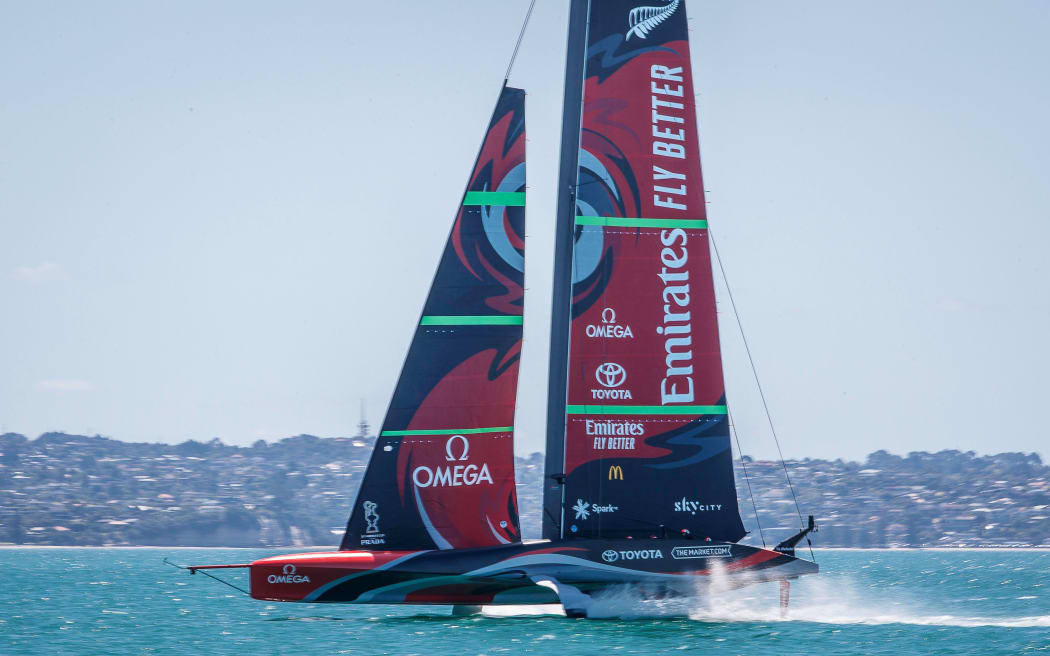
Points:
(536, 573)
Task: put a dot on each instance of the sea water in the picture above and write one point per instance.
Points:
(127, 601)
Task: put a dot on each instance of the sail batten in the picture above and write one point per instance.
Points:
(646, 410)
(448, 431)
(505, 198)
(638, 222)
(471, 320)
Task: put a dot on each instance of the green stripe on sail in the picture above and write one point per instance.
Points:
(640, 223)
(492, 320)
(645, 410)
(505, 198)
(450, 431)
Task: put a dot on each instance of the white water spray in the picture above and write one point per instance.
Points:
(834, 600)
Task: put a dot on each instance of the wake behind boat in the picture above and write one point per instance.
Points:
(640, 490)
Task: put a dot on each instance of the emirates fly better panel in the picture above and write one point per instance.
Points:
(647, 441)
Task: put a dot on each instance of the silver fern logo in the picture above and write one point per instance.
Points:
(643, 20)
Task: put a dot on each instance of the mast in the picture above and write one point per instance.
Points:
(563, 250)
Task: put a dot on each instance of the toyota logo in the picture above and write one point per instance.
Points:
(288, 569)
(610, 374)
(610, 556)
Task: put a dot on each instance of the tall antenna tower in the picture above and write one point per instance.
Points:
(363, 429)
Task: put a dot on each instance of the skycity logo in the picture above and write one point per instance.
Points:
(611, 555)
(643, 20)
(455, 475)
(693, 507)
(609, 328)
(287, 575)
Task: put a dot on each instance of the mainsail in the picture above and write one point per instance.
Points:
(637, 418)
(442, 471)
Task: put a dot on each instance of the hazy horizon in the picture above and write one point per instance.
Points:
(518, 452)
(222, 219)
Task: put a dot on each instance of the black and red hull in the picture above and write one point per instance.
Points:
(534, 573)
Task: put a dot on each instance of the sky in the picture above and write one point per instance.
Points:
(221, 219)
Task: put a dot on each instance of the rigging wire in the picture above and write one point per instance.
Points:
(521, 35)
(747, 479)
(758, 383)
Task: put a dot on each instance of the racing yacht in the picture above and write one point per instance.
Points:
(639, 488)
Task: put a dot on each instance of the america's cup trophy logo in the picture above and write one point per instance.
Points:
(372, 517)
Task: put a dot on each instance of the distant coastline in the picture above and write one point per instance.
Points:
(77, 490)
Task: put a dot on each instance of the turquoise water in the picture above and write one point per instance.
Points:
(126, 601)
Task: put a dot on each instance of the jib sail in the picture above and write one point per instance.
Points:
(442, 472)
(641, 429)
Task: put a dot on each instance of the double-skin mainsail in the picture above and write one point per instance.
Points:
(637, 419)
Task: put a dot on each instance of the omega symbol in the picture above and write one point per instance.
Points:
(448, 448)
